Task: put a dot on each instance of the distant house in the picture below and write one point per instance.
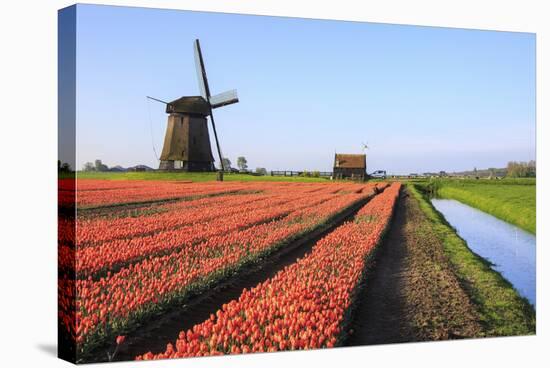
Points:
(350, 166)
(118, 168)
(140, 168)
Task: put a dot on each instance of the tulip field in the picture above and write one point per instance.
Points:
(139, 248)
(304, 305)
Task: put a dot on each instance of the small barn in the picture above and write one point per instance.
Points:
(350, 166)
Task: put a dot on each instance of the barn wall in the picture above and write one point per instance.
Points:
(348, 172)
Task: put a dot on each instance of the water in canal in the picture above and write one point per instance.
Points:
(511, 249)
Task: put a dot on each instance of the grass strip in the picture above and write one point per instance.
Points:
(515, 204)
(193, 176)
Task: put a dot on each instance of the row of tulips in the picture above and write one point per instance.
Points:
(119, 222)
(91, 231)
(113, 255)
(177, 227)
(98, 193)
(97, 229)
(101, 184)
(161, 217)
(113, 304)
(171, 231)
(151, 191)
(301, 307)
(67, 187)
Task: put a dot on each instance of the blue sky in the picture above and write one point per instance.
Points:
(423, 98)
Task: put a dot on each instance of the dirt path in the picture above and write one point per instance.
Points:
(412, 293)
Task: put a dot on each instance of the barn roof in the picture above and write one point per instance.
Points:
(350, 161)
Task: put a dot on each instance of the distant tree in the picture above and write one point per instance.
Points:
(532, 168)
(516, 169)
(316, 174)
(226, 164)
(513, 169)
(99, 166)
(88, 166)
(242, 163)
(261, 171)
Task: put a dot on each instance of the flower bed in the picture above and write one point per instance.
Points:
(304, 305)
(117, 302)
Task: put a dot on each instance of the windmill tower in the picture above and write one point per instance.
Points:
(187, 142)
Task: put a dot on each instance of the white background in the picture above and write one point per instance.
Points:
(28, 253)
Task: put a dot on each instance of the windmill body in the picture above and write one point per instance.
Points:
(187, 141)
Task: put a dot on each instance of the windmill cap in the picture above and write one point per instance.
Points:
(189, 105)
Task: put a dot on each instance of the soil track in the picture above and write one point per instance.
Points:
(155, 334)
(411, 292)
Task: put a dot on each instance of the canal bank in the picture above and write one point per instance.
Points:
(503, 312)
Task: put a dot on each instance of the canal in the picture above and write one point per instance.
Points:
(511, 250)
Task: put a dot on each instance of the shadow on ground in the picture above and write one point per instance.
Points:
(50, 349)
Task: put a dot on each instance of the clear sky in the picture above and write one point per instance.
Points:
(423, 98)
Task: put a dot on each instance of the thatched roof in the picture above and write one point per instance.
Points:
(350, 161)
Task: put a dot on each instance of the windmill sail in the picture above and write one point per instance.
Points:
(224, 99)
(219, 100)
(201, 72)
(205, 92)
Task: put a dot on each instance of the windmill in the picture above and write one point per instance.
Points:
(364, 147)
(187, 142)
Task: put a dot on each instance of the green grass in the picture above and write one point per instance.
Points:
(502, 310)
(483, 181)
(188, 176)
(511, 202)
